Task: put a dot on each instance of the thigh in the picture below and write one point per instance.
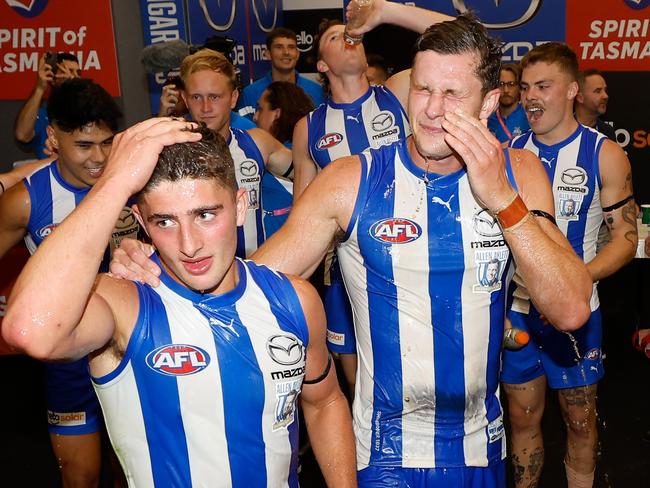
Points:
(525, 364)
(574, 360)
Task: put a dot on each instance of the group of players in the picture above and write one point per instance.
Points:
(440, 235)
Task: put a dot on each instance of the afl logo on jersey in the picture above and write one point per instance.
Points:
(329, 140)
(46, 231)
(177, 359)
(395, 231)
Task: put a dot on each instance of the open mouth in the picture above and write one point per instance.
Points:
(197, 266)
(534, 113)
(95, 172)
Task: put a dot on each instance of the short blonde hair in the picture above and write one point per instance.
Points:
(208, 59)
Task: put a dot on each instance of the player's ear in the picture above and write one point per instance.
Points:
(490, 103)
(573, 90)
(51, 136)
(241, 202)
(138, 216)
(234, 96)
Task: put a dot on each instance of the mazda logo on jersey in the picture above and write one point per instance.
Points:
(27, 8)
(485, 224)
(506, 11)
(382, 121)
(178, 359)
(574, 176)
(126, 220)
(330, 139)
(284, 349)
(248, 167)
(43, 232)
(395, 231)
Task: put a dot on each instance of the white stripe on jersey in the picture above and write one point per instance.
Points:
(252, 307)
(63, 202)
(335, 122)
(126, 428)
(205, 403)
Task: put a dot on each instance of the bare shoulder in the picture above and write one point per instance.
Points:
(15, 205)
(399, 84)
(612, 159)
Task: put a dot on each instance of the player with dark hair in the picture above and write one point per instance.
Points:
(83, 119)
(591, 180)
(31, 122)
(282, 50)
(426, 410)
(509, 120)
(279, 108)
(198, 379)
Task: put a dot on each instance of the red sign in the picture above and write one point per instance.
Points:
(11, 265)
(610, 35)
(29, 28)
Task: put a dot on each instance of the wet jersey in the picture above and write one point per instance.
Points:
(426, 268)
(336, 130)
(249, 170)
(572, 168)
(206, 392)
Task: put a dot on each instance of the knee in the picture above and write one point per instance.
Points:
(581, 423)
(76, 474)
(525, 416)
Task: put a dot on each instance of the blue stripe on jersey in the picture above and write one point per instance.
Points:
(384, 327)
(161, 389)
(251, 152)
(362, 194)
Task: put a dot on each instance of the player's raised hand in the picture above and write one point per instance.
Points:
(483, 156)
(131, 261)
(135, 151)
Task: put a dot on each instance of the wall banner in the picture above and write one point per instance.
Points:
(29, 28)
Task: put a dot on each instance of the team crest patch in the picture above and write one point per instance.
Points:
(395, 231)
(571, 192)
(43, 232)
(330, 139)
(495, 430)
(286, 395)
(593, 354)
(490, 267)
(178, 359)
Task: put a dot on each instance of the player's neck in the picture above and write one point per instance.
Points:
(443, 166)
(347, 89)
(585, 117)
(560, 132)
(280, 75)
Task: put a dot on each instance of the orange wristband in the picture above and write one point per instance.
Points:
(512, 214)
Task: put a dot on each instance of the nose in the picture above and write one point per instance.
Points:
(190, 241)
(98, 154)
(434, 106)
(205, 105)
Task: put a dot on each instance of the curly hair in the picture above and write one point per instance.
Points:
(78, 102)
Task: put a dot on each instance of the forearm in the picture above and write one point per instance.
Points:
(611, 258)
(413, 18)
(51, 293)
(330, 432)
(556, 279)
(26, 120)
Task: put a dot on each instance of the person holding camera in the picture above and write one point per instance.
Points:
(31, 122)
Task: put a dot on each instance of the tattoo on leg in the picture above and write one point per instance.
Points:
(576, 397)
(519, 469)
(535, 462)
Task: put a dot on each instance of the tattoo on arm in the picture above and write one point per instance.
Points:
(629, 216)
(609, 220)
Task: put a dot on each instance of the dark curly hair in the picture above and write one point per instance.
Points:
(293, 103)
(465, 34)
(78, 102)
(201, 160)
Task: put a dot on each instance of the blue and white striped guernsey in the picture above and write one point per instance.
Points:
(249, 169)
(205, 394)
(336, 130)
(426, 268)
(572, 168)
(52, 199)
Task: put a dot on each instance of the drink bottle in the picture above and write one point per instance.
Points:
(359, 11)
